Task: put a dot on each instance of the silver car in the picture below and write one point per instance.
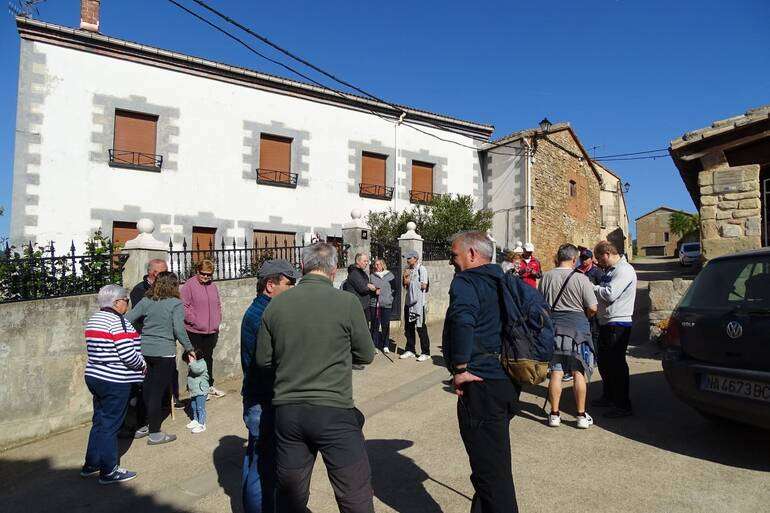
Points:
(689, 253)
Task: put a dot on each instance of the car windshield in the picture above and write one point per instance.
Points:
(738, 283)
(691, 247)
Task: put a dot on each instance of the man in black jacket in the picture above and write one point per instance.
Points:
(358, 282)
(487, 398)
(154, 267)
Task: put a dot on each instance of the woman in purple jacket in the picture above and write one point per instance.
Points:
(202, 315)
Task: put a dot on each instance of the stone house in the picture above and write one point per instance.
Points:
(726, 169)
(542, 187)
(653, 235)
(614, 210)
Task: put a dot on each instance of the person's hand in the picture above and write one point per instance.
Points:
(371, 287)
(191, 357)
(144, 371)
(460, 380)
(377, 292)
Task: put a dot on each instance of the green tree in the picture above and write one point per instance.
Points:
(438, 221)
(683, 224)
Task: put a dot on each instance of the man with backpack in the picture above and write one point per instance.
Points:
(473, 343)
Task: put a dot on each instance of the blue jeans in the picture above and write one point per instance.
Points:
(198, 406)
(110, 405)
(259, 490)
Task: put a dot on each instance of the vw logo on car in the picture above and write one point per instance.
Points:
(734, 329)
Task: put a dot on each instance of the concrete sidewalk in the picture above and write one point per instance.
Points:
(665, 459)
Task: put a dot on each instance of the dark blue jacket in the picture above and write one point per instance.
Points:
(256, 387)
(472, 325)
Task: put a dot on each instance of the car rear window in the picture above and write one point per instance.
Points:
(730, 284)
(691, 247)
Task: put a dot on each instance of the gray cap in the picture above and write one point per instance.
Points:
(411, 254)
(271, 267)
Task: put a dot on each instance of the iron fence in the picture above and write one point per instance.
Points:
(34, 272)
(232, 261)
(135, 159)
(433, 251)
(277, 178)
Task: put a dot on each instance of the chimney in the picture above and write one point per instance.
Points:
(89, 15)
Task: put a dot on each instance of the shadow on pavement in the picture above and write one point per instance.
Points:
(398, 481)
(654, 269)
(33, 486)
(228, 462)
(662, 421)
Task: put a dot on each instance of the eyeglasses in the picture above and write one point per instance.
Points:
(122, 299)
(206, 275)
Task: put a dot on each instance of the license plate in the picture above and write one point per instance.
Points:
(737, 387)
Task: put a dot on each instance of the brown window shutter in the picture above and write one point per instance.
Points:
(275, 157)
(270, 239)
(203, 243)
(123, 232)
(422, 176)
(135, 132)
(373, 168)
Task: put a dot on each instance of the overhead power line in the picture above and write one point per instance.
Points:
(653, 157)
(629, 154)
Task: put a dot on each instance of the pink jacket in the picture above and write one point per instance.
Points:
(202, 307)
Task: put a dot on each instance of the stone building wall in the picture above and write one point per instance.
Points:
(664, 296)
(651, 230)
(557, 217)
(730, 210)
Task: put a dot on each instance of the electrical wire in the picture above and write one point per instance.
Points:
(653, 157)
(629, 154)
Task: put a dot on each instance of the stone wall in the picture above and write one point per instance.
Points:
(664, 296)
(43, 356)
(558, 217)
(651, 231)
(730, 210)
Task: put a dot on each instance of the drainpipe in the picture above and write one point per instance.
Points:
(395, 167)
(528, 206)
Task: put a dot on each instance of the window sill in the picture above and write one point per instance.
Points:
(137, 167)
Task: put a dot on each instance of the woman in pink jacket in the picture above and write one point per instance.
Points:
(202, 316)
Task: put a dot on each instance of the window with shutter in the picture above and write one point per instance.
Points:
(373, 176)
(275, 161)
(135, 140)
(203, 243)
(422, 182)
(122, 232)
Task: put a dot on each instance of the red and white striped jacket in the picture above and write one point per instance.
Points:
(113, 349)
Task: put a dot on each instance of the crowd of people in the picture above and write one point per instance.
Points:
(297, 395)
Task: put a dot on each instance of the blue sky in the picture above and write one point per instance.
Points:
(628, 75)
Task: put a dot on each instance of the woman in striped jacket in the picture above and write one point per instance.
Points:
(114, 363)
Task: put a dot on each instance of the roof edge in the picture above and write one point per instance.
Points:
(663, 207)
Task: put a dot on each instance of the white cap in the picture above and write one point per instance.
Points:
(529, 247)
(518, 249)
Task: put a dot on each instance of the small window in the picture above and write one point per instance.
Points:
(665, 236)
(122, 232)
(275, 161)
(203, 243)
(422, 182)
(273, 239)
(373, 176)
(573, 188)
(135, 140)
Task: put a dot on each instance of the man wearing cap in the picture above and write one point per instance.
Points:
(530, 270)
(415, 282)
(274, 277)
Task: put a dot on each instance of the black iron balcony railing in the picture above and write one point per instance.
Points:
(422, 197)
(277, 178)
(369, 190)
(135, 159)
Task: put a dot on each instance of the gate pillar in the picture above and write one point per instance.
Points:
(356, 236)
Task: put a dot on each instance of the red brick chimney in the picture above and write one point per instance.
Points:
(89, 15)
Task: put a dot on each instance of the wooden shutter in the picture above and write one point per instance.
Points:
(275, 157)
(422, 177)
(123, 232)
(135, 132)
(373, 168)
(203, 238)
(270, 239)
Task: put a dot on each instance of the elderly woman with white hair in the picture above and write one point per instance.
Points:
(114, 362)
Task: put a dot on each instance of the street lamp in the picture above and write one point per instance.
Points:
(626, 187)
(545, 125)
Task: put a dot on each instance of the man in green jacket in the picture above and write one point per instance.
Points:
(309, 338)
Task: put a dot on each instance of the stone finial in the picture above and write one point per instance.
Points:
(356, 220)
(411, 232)
(145, 239)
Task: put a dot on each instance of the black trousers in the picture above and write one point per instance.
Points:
(379, 326)
(484, 413)
(204, 345)
(422, 331)
(160, 370)
(301, 430)
(613, 343)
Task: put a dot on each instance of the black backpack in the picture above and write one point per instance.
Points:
(527, 331)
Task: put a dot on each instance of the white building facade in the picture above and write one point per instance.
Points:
(614, 211)
(109, 132)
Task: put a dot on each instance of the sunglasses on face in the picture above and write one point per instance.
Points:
(206, 275)
(122, 299)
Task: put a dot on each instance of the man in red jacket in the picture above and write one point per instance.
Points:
(202, 315)
(530, 270)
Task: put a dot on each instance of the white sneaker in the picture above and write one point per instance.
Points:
(200, 428)
(407, 354)
(423, 357)
(553, 421)
(585, 422)
(192, 424)
(385, 349)
(216, 392)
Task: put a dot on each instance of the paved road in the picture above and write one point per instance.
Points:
(665, 459)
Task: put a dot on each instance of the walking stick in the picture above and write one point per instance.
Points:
(171, 404)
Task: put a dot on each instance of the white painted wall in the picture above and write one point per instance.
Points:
(210, 158)
(505, 193)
